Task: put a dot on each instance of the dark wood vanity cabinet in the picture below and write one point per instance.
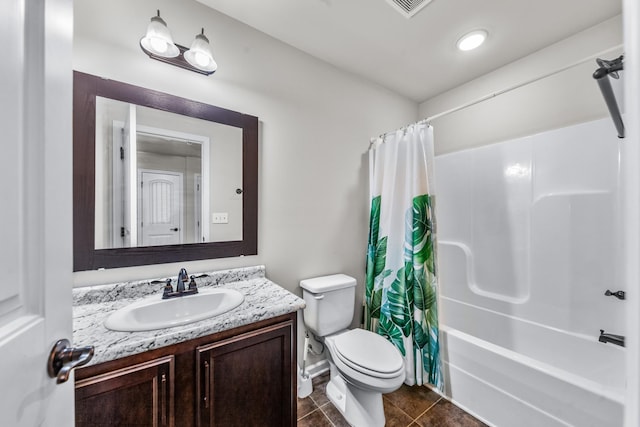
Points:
(241, 377)
(140, 395)
(246, 380)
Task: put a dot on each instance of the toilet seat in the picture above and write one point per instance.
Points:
(365, 378)
(368, 353)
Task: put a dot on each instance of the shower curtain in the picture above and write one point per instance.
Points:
(401, 277)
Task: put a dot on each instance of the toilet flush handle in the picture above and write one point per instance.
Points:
(318, 296)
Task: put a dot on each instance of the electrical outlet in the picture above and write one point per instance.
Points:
(220, 218)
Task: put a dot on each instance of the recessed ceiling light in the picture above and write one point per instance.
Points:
(472, 40)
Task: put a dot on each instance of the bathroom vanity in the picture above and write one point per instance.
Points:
(237, 368)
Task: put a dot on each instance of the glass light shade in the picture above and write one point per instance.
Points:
(199, 55)
(472, 40)
(158, 39)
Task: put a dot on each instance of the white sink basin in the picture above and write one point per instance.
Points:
(155, 313)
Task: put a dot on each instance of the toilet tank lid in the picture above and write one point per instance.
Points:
(321, 284)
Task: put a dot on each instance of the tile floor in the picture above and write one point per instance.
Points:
(408, 406)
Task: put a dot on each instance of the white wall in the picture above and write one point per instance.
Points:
(567, 98)
(315, 125)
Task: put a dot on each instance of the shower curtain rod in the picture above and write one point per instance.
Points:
(503, 91)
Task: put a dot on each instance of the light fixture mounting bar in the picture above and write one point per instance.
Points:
(178, 61)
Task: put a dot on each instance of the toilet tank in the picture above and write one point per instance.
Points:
(330, 303)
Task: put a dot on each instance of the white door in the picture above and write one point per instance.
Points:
(130, 165)
(119, 231)
(36, 194)
(197, 208)
(160, 208)
(124, 189)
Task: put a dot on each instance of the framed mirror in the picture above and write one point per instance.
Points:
(158, 178)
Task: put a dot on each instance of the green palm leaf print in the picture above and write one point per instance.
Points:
(421, 229)
(392, 332)
(399, 304)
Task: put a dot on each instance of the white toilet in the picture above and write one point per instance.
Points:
(363, 364)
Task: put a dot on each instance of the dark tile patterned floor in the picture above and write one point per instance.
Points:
(407, 406)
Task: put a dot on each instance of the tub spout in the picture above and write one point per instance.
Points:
(613, 339)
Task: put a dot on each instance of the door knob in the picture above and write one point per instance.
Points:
(64, 358)
(174, 229)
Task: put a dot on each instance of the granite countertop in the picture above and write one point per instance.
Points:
(263, 299)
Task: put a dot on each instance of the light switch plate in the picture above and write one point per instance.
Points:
(220, 218)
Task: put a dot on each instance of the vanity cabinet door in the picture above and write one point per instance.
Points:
(138, 395)
(247, 380)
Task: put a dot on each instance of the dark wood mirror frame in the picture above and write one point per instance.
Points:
(85, 257)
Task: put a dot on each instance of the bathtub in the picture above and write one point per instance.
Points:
(507, 387)
(527, 245)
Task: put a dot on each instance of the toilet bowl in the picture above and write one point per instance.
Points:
(360, 374)
(364, 365)
(366, 360)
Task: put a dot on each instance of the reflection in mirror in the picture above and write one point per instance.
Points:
(164, 179)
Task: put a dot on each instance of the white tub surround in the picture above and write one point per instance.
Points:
(528, 246)
(263, 299)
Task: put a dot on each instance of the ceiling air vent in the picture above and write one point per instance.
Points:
(408, 8)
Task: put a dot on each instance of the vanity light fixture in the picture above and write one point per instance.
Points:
(199, 54)
(158, 39)
(158, 44)
(472, 40)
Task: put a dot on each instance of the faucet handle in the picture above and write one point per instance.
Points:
(192, 284)
(617, 294)
(168, 288)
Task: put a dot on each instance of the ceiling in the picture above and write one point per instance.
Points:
(416, 57)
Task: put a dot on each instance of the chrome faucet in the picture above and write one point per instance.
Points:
(183, 277)
(181, 288)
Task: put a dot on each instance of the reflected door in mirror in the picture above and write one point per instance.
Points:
(195, 167)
